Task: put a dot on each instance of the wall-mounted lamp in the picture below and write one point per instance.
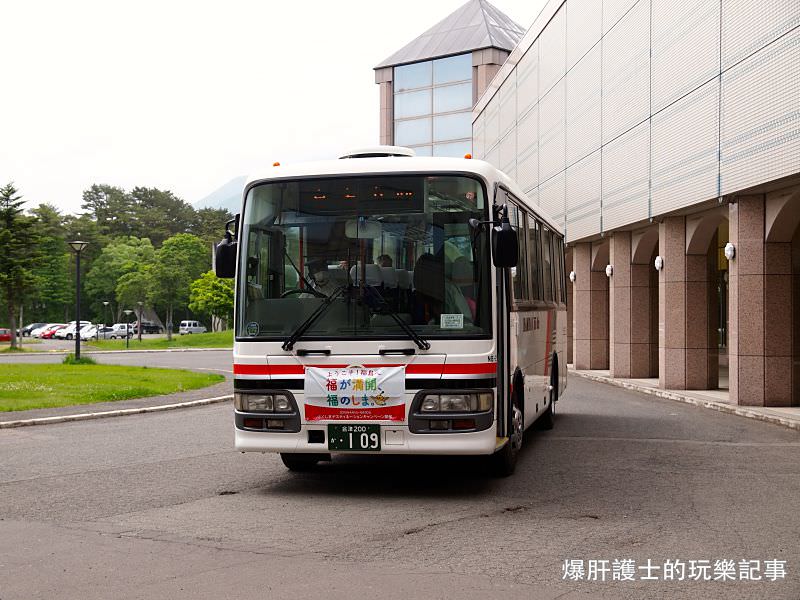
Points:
(609, 270)
(572, 276)
(659, 263)
(730, 251)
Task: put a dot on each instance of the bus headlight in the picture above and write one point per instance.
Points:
(276, 402)
(472, 402)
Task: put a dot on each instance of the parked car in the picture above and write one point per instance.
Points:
(26, 331)
(5, 335)
(89, 332)
(49, 332)
(104, 332)
(148, 327)
(68, 332)
(118, 331)
(189, 327)
(40, 330)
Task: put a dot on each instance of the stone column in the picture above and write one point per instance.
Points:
(383, 77)
(760, 285)
(570, 300)
(630, 313)
(688, 355)
(590, 312)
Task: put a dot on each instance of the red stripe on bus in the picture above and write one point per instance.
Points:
(325, 413)
(412, 369)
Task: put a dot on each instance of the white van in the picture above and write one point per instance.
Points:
(191, 327)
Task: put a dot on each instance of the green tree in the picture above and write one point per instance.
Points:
(118, 258)
(53, 292)
(111, 208)
(18, 254)
(210, 224)
(181, 260)
(159, 214)
(132, 288)
(212, 296)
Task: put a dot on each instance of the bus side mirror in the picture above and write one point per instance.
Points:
(225, 252)
(225, 259)
(505, 248)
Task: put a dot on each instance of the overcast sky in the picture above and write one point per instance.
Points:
(187, 95)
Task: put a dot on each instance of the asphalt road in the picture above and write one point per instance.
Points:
(159, 506)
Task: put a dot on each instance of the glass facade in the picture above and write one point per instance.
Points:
(433, 106)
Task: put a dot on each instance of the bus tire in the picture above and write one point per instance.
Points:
(300, 462)
(547, 420)
(504, 461)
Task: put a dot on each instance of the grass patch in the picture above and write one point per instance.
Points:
(27, 386)
(70, 359)
(218, 339)
(10, 350)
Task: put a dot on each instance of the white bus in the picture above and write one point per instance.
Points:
(393, 304)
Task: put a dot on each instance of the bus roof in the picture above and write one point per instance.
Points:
(399, 164)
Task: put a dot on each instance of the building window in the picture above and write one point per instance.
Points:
(433, 106)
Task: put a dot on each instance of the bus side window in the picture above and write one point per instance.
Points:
(561, 276)
(556, 267)
(547, 266)
(519, 274)
(535, 258)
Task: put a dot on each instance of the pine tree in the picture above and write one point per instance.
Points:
(18, 254)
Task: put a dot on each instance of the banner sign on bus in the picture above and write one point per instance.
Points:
(355, 394)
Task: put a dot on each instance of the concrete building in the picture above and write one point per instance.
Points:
(665, 136)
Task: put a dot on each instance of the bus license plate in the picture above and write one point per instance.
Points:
(354, 437)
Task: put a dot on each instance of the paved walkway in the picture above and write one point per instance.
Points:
(714, 399)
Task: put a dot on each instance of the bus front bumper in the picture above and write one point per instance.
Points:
(395, 439)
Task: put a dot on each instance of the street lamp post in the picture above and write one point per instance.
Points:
(139, 327)
(127, 312)
(105, 318)
(77, 246)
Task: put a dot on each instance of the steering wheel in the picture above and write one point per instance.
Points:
(302, 291)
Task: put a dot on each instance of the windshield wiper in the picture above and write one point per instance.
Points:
(384, 309)
(303, 327)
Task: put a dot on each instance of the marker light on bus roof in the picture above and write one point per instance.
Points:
(276, 164)
(468, 155)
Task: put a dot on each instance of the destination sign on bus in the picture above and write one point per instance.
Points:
(354, 393)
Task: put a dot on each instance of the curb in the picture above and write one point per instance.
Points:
(718, 406)
(50, 352)
(112, 413)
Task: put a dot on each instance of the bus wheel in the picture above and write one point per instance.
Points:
(300, 462)
(547, 420)
(504, 461)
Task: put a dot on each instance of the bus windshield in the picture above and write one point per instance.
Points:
(372, 249)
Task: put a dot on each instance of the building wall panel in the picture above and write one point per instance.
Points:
(748, 26)
(492, 131)
(552, 139)
(583, 107)
(685, 42)
(528, 80)
(684, 150)
(507, 154)
(507, 96)
(553, 52)
(626, 178)
(613, 11)
(584, 27)
(479, 136)
(761, 116)
(528, 149)
(551, 199)
(583, 196)
(626, 72)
